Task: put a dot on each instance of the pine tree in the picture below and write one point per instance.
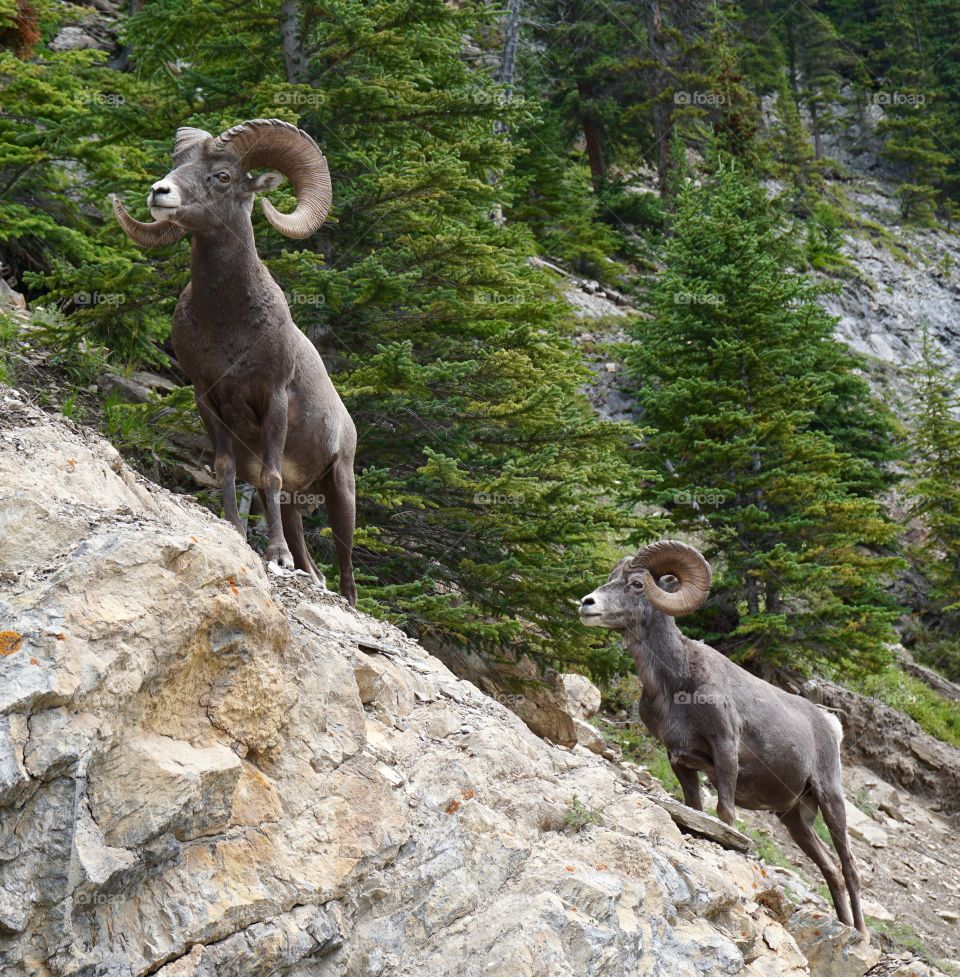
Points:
(815, 58)
(933, 485)
(742, 383)
(913, 117)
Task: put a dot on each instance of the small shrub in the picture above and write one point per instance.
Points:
(579, 816)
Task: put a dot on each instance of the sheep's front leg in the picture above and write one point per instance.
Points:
(224, 462)
(726, 768)
(689, 784)
(273, 437)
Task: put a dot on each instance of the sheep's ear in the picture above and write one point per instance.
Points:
(265, 181)
(669, 583)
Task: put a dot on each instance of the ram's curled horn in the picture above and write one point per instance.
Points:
(187, 144)
(282, 146)
(682, 561)
(148, 235)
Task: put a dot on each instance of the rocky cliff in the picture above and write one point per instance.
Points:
(209, 770)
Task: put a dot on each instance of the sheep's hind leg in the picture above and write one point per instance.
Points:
(799, 822)
(293, 533)
(339, 490)
(834, 811)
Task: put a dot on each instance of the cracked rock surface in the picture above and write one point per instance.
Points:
(205, 771)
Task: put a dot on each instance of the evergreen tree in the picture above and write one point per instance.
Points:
(913, 116)
(742, 382)
(792, 154)
(815, 57)
(934, 489)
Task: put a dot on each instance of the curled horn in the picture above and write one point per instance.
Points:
(147, 235)
(187, 144)
(686, 563)
(281, 146)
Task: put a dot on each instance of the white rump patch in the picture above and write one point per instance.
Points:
(835, 725)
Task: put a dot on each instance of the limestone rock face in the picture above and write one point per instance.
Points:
(204, 772)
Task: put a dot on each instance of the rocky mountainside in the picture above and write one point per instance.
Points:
(207, 770)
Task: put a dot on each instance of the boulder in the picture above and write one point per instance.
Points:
(147, 784)
(831, 948)
(583, 697)
(537, 696)
(860, 826)
(589, 736)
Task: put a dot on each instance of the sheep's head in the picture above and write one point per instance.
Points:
(210, 186)
(667, 576)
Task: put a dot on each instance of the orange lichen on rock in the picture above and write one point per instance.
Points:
(10, 642)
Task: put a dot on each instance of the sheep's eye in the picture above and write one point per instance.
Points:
(637, 583)
(223, 177)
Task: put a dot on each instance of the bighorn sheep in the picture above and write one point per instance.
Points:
(760, 747)
(266, 401)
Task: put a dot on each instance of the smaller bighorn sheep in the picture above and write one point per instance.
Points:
(760, 747)
(262, 391)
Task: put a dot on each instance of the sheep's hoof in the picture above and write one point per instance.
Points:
(280, 554)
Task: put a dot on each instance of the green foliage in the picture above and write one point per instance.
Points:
(638, 746)
(900, 934)
(933, 486)
(933, 713)
(579, 816)
(767, 847)
(745, 390)
(490, 496)
(8, 335)
(144, 430)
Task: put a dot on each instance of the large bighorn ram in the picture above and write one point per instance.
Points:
(760, 747)
(262, 391)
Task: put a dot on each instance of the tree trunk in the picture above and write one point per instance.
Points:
(508, 70)
(291, 43)
(594, 139)
(511, 41)
(122, 61)
(815, 126)
(662, 111)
